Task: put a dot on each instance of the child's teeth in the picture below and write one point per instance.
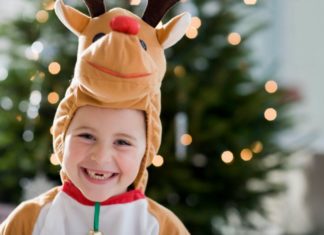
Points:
(98, 176)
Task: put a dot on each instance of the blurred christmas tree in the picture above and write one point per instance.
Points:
(220, 123)
(221, 127)
(32, 81)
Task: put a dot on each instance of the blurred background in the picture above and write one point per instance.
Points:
(242, 149)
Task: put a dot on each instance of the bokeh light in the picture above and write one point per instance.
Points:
(227, 157)
(37, 47)
(196, 22)
(234, 38)
(186, 139)
(54, 68)
(270, 114)
(192, 32)
(19, 118)
(3, 74)
(135, 2)
(6, 103)
(28, 136)
(250, 2)
(53, 97)
(30, 54)
(246, 154)
(271, 86)
(48, 5)
(257, 147)
(42, 16)
(35, 97)
(158, 161)
(179, 71)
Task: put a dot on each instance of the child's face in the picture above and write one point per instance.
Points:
(103, 150)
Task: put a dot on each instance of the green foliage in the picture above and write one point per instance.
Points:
(23, 159)
(225, 105)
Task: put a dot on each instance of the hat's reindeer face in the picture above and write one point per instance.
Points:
(119, 52)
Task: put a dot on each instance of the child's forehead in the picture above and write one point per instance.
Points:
(96, 116)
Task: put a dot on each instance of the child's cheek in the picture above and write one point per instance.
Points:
(129, 163)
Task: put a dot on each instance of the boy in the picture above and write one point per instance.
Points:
(107, 128)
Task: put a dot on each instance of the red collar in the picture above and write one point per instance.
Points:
(70, 189)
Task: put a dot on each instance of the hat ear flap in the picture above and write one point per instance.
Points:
(171, 32)
(73, 19)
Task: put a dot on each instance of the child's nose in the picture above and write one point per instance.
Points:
(125, 24)
(102, 154)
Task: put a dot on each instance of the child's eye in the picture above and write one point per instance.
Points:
(87, 136)
(122, 142)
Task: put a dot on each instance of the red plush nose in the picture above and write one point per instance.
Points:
(125, 24)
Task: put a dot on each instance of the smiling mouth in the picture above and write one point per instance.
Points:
(99, 175)
(117, 74)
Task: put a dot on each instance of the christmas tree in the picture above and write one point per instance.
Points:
(220, 123)
(220, 126)
(33, 80)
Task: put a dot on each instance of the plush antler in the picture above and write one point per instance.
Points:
(156, 9)
(95, 7)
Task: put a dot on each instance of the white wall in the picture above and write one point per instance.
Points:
(297, 43)
(9, 9)
(294, 46)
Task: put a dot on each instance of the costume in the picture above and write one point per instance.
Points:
(64, 210)
(120, 64)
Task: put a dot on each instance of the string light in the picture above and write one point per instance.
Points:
(196, 22)
(250, 2)
(41, 75)
(246, 154)
(19, 118)
(42, 16)
(192, 32)
(135, 2)
(53, 97)
(158, 161)
(48, 5)
(270, 114)
(54, 161)
(234, 38)
(186, 139)
(227, 157)
(257, 147)
(54, 68)
(271, 86)
(179, 71)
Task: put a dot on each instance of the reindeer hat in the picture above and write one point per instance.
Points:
(120, 64)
